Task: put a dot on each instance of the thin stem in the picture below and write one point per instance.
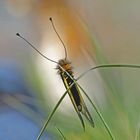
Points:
(99, 114)
(109, 66)
(60, 132)
(50, 116)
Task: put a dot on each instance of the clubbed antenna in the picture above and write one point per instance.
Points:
(59, 38)
(35, 48)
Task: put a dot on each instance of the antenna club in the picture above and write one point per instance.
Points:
(50, 18)
(17, 34)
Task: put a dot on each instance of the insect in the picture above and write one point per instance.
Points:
(65, 71)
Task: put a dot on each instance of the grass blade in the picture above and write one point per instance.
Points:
(109, 66)
(60, 132)
(52, 113)
(99, 114)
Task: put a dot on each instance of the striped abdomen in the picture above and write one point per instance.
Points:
(73, 91)
(66, 73)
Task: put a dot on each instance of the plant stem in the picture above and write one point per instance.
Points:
(109, 66)
(51, 115)
(99, 114)
(60, 132)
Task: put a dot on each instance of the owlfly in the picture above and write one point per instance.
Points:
(66, 73)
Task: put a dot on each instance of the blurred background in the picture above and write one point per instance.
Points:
(95, 33)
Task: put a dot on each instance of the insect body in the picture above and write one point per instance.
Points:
(65, 71)
(74, 93)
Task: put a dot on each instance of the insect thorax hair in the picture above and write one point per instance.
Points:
(64, 65)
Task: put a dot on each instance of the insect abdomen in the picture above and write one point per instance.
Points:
(73, 90)
(66, 73)
(65, 70)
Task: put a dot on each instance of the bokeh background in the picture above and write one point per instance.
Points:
(95, 32)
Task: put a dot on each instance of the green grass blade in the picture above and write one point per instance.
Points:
(109, 66)
(51, 115)
(60, 132)
(99, 114)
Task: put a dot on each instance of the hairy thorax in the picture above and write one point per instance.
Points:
(64, 65)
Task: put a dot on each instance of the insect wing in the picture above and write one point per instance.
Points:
(85, 111)
(73, 101)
